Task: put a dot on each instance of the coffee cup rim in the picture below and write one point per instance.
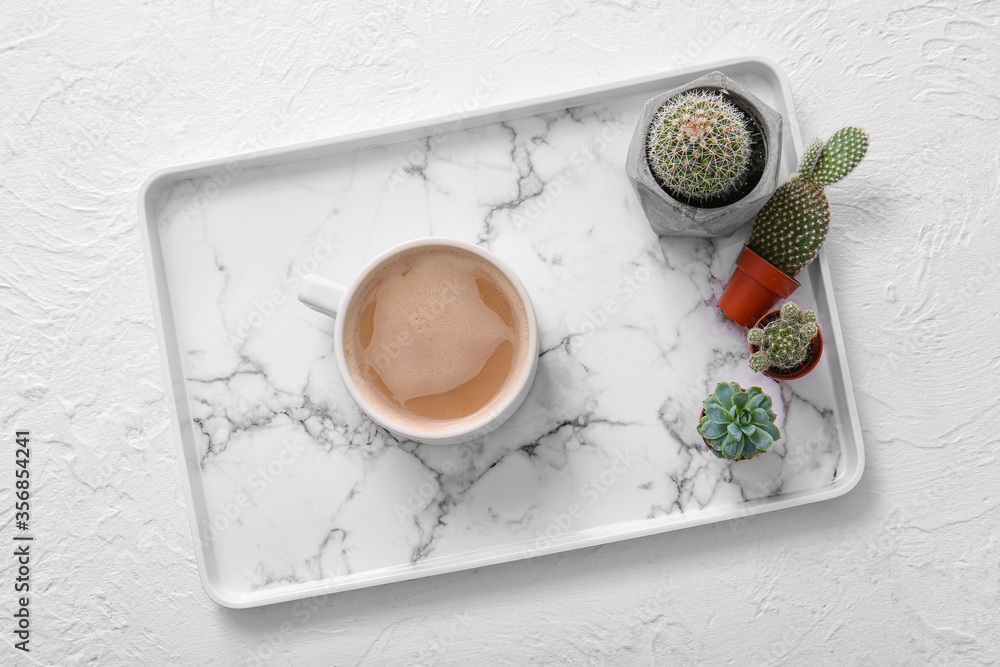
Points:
(466, 429)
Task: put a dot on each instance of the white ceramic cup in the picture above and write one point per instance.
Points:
(330, 298)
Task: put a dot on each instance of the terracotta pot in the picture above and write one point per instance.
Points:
(717, 454)
(754, 288)
(815, 352)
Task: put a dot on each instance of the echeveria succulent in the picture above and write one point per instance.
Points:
(783, 344)
(738, 424)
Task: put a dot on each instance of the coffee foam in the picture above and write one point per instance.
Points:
(427, 329)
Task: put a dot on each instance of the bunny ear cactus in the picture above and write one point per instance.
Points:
(698, 145)
(790, 229)
(738, 424)
(809, 158)
(783, 344)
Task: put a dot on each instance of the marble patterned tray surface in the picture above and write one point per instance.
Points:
(294, 492)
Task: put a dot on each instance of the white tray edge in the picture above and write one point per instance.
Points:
(157, 182)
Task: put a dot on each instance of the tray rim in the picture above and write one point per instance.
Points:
(159, 181)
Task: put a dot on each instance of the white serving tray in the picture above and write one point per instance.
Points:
(292, 492)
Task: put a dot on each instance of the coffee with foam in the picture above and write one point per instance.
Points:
(435, 335)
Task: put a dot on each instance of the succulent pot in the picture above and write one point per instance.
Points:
(813, 357)
(717, 454)
(754, 288)
(670, 216)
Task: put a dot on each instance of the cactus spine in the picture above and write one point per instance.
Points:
(790, 229)
(698, 145)
(783, 344)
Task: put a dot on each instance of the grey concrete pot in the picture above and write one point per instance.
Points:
(670, 217)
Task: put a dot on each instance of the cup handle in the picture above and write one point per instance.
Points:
(320, 294)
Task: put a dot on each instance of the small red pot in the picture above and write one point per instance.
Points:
(754, 288)
(815, 352)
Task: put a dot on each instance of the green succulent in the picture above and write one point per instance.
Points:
(738, 424)
(698, 145)
(789, 230)
(783, 344)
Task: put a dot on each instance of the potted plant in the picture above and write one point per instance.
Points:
(704, 157)
(737, 424)
(786, 344)
(789, 230)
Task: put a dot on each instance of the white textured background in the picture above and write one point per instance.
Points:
(905, 569)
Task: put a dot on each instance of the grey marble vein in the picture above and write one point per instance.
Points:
(631, 343)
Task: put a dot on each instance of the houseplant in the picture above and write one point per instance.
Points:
(786, 343)
(698, 146)
(789, 230)
(738, 424)
(704, 157)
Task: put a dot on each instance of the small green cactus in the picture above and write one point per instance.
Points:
(783, 344)
(698, 145)
(790, 229)
(738, 424)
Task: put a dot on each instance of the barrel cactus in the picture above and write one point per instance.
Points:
(738, 424)
(790, 229)
(699, 146)
(783, 344)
